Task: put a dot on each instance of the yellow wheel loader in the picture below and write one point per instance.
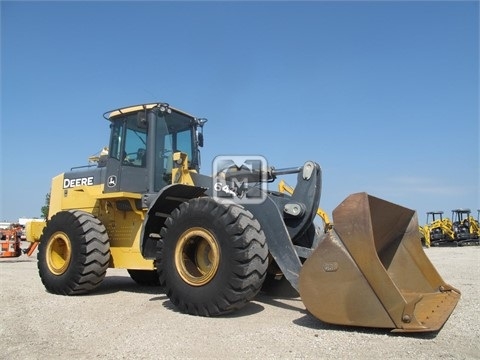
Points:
(210, 241)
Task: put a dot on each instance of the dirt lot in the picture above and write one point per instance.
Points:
(125, 321)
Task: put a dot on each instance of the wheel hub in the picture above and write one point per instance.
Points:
(59, 252)
(197, 256)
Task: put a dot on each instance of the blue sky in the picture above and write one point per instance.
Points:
(384, 95)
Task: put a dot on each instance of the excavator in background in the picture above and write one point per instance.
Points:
(211, 241)
(476, 222)
(465, 227)
(438, 231)
(462, 229)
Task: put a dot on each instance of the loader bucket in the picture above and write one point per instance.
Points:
(371, 270)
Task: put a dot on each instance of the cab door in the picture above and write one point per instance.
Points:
(126, 165)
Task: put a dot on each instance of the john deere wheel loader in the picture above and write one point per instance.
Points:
(144, 207)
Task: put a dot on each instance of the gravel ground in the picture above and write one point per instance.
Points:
(125, 321)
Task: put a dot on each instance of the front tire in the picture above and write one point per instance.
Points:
(212, 257)
(73, 254)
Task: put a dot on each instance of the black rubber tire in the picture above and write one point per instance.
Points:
(144, 277)
(73, 254)
(237, 257)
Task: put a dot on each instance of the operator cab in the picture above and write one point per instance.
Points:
(461, 223)
(143, 139)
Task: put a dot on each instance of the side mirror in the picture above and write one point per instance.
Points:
(200, 139)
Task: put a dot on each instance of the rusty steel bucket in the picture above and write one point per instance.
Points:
(371, 270)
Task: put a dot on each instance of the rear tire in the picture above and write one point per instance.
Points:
(73, 254)
(212, 257)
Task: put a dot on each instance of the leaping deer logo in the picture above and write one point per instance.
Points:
(112, 181)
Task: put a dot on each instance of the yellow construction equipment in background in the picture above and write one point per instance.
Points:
(438, 230)
(461, 230)
(465, 227)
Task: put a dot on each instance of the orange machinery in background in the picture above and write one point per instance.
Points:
(10, 240)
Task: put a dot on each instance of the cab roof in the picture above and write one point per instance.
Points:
(134, 108)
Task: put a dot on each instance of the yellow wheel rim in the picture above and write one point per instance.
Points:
(59, 253)
(197, 256)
